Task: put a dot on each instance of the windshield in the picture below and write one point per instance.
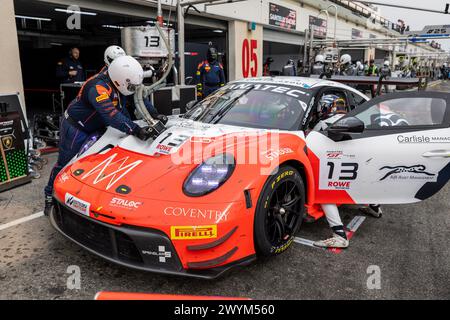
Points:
(267, 106)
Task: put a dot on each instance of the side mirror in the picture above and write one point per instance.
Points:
(190, 104)
(345, 126)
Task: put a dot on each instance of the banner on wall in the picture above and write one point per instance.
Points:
(282, 17)
(356, 34)
(319, 26)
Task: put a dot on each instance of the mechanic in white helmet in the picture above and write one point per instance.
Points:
(386, 72)
(347, 69)
(319, 65)
(113, 52)
(99, 104)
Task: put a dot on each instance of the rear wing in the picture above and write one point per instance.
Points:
(420, 83)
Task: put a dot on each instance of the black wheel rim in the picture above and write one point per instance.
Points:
(283, 212)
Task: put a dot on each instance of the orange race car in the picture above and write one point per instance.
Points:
(234, 177)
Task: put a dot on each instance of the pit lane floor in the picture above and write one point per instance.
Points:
(409, 245)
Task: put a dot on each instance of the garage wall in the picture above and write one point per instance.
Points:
(10, 70)
(238, 33)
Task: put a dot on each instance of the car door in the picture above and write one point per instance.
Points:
(402, 154)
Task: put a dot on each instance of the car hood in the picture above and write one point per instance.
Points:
(163, 164)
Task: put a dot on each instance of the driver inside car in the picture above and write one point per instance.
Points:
(331, 108)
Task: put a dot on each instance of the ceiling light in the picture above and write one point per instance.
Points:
(76, 12)
(111, 26)
(33, 18)
(218, 31)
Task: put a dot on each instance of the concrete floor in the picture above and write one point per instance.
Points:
(409, 245)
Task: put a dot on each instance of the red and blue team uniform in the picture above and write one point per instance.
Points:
(210, 77)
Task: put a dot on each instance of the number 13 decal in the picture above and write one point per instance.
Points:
(349, 171)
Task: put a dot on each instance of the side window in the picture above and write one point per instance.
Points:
(329, 104)
(405, 112)
(355, 100)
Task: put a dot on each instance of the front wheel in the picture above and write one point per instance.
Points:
(279, 212)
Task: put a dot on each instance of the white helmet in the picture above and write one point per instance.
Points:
(346, 58)
(320, 58)
(127, 74)
(113, 52)
(359, 66)
(387, 63)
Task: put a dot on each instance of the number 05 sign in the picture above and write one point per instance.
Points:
(146, 42)
(249, 58)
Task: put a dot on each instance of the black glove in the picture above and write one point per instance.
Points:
(144, 133)
(162, 118)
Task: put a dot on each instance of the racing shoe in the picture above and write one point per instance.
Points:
(335, 242)
(373, 210)
(48, 205)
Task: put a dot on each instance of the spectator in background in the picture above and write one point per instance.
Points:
(290, 69)
(266, 72)
(70, 70)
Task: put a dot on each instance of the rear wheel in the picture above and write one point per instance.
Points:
(279, 212)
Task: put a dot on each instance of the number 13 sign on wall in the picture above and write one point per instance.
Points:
(249, 58)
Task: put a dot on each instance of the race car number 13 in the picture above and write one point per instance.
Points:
(348, 171)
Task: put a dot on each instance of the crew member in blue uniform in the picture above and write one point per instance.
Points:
(70, 70)
(210, 75)
(99, 104)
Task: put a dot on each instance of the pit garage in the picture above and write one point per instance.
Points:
(282, 46)
(44, 40)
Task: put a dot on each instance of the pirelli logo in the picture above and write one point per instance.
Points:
(193, 232)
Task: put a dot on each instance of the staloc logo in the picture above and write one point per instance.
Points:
(123, 203)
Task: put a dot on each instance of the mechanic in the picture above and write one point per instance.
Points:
(266, 72)
(210, 74)
(386, 72)
(372, 70)
(347, 69)
(113, 52)
(359, 69)
(330, 109)
(319, 65)
(99, 104)
(70, 70)
(290, 69)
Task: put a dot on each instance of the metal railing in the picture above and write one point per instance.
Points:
(364, 12)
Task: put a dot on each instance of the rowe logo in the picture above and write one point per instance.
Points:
(193, 233)
(114, 171)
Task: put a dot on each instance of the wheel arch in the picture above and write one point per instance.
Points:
(307, 177)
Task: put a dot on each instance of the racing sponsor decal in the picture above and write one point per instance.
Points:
(124, 204)
(281, 176)
(339, 185)
(77, 204)
(162, 254)
(195, 213)
(102, 97)
(417, 172)
(274, 154)
(270, 88)
(63, 177)
(163, 148)
(337, 155)
(114, 171)
(421, 139)
(193, 232)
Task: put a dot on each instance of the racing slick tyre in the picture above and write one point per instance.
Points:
(279, 212)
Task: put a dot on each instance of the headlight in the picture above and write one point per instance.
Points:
(209, 176)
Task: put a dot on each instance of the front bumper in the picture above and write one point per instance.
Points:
(134, 247)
